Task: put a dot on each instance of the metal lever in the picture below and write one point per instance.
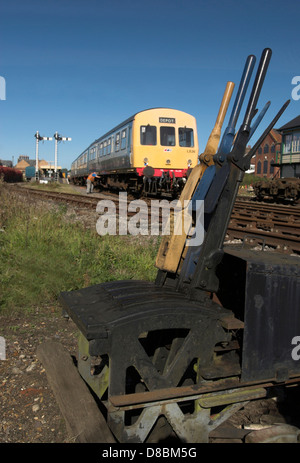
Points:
(228, 135)
(211, 253)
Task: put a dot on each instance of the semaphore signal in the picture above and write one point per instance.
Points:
(58, 138)
(38, 139)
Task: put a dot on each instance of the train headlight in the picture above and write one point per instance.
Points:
(168, 161)
(146, 161)
(189, 163)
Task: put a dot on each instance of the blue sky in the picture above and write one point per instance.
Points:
(80, 67)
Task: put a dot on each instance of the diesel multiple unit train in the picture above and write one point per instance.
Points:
(152, 152)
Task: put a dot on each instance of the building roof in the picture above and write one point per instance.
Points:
(31, 162)
(6, 163)
(22, 163)
(292, 124)
(275, 135)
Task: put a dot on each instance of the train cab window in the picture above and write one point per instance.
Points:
(167, 136)
(117, 142)
(123, 139)
(186, 137)
(148, 135)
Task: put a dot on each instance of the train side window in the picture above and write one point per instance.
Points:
(101, 149)
(148, 135)
(129, 136)
(105, 148)
(167, 136)
(109, 146)
(186, 137)
(123, 139)
(117, 142)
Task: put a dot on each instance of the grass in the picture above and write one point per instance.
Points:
(53, 186)
(43, 253)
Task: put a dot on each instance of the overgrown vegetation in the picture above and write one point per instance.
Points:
(42, 254)
(249, 179)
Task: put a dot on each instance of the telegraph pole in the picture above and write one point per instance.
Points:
(58, 138)
(38, 139)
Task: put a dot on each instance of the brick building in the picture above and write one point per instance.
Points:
(267, 155)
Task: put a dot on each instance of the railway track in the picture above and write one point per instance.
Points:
(275, 226)
(270, 224)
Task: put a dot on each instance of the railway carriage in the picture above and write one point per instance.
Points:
(151, 152)
(278, 189)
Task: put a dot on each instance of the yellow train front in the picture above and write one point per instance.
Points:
(151, 152)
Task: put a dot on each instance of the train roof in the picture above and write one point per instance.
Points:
(117, 127)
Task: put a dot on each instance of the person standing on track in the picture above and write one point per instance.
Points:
(90, 182)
